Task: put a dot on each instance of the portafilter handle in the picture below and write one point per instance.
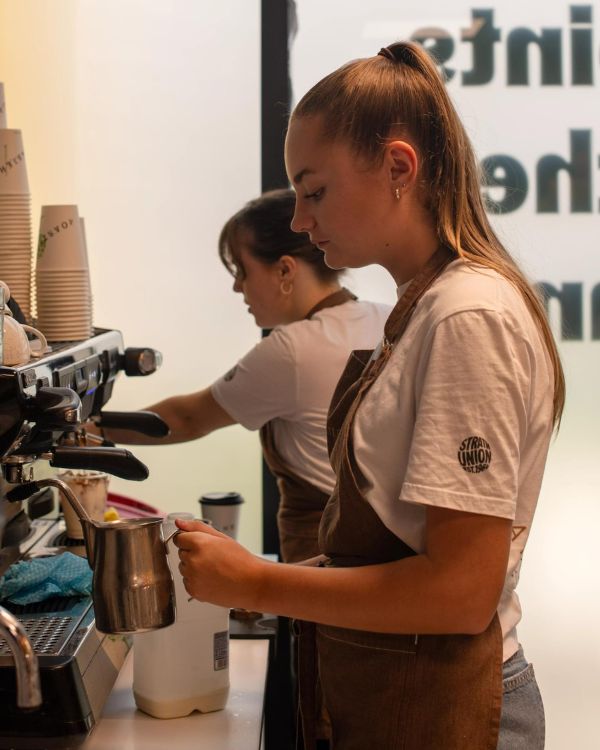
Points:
(117, 461)
(145, 422)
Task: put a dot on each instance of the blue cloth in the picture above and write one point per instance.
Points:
(34, 580)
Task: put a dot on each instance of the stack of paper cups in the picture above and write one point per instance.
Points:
(64, 299)
(15, 217)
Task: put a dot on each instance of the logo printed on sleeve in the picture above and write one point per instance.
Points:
(229, 375)
(517, 531)
(474, 454)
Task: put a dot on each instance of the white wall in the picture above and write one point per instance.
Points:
(147, 115)
(559, 585)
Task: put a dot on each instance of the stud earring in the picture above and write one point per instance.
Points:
(397, 193)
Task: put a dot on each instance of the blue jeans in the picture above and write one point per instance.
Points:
(522, 724)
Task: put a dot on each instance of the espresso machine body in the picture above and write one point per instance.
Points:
(42, 406)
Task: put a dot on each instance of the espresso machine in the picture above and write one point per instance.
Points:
(56, 668)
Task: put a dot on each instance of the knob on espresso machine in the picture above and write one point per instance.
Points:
(136, 361)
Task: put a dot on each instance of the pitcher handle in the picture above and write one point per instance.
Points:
(172, 535)
(178, 531)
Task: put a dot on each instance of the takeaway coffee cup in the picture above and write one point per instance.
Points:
(222, 509)
(91, 489)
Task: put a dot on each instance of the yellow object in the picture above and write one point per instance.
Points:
(110, 514)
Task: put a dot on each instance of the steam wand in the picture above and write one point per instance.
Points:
(23, 491)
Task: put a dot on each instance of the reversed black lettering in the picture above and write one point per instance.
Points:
(550, 45)
(440, 46)
(570, 299)
(579, 170)
(596, 313)
(582, 71)
(482, 35)
(502, 171)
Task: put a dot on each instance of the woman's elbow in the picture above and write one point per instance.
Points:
(479, 613)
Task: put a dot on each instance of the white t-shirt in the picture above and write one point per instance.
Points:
(461, 417)
(289, 377)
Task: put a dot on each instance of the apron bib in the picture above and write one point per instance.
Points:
(382, 690)
(301, 503)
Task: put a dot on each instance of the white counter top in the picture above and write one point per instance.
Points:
(237, 727)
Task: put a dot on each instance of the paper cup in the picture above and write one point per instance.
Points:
(13, 169)
(223, 510)
(60, 243)
(91, 489)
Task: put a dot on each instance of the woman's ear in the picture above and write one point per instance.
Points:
(287, 267)
(401, 163)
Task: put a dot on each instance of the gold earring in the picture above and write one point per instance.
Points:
(286, 287)
(397, 193)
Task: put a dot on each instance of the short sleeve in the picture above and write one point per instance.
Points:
(263, 384)
(472, 392)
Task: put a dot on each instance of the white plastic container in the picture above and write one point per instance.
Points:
(184, 667)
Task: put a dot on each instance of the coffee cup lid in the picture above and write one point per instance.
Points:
(221, 498)
(183, 516)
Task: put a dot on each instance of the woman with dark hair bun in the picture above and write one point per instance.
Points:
(284, 384)
(438, 437)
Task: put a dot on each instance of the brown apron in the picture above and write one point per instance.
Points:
(381, 690)
(301, 503)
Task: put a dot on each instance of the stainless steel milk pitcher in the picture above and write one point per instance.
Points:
(132, 587)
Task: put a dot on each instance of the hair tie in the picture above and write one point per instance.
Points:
(401, 52)
(386, 52)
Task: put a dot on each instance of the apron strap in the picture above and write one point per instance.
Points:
(332, 300)
(398, 320)
(307, 670)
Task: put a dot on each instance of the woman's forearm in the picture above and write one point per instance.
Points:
(188, 417)
(454, 587)
(407, 596)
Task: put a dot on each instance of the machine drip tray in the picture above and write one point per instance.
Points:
(53, 604)
(48, 624)
(78, 667)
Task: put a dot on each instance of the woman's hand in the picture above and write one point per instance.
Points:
(217, 569)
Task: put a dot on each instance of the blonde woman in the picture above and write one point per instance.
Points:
(438, 438)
